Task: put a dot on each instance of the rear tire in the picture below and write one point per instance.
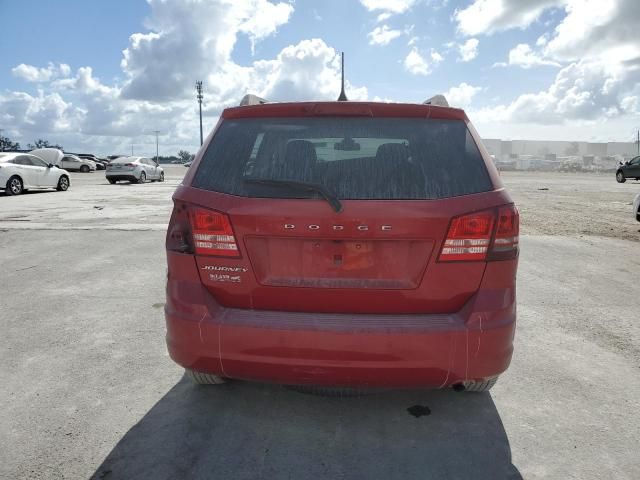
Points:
(202, 378)
(63, 183)
(483, 386)
(84, 169)
(14, 186)
(620, 177)
(143, 178)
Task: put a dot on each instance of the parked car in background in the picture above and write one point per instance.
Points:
(187, 164)
(134, 169)
(350, 244)
(636, 207)
(101, 164)
(20, 172)
(630, 169)
(73, 163)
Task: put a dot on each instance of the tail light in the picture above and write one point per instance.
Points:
(468, 237)
(505, 243)
(201, 231)
(129, 165)
(481, 236)
(212, 233)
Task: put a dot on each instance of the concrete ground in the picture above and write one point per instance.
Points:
(89, 391)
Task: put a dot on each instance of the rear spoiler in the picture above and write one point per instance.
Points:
(437, 100)
(251, 99)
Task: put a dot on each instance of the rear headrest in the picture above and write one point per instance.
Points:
(299, 160)
(392, 152)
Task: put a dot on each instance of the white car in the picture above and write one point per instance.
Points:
(22, 171)
(134, 169)
(74, 163)
(636, 207)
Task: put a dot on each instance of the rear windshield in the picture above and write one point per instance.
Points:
(353, 158)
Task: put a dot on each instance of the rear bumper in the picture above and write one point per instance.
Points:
(339, 349)
(121, 176)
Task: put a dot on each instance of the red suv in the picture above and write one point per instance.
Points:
(343, 244)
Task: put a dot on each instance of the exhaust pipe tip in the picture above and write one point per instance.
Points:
(459, 387)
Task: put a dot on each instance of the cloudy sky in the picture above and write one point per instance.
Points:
(100, 76)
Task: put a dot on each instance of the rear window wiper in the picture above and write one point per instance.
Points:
(298, 185)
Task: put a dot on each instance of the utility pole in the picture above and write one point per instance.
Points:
(132, 149)
(156, 132)
(199, 97)
(637, 141)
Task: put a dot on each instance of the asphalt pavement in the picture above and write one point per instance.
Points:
(89, 390)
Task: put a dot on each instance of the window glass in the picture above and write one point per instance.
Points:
(23, 160)
(36, 161)
(354, 158)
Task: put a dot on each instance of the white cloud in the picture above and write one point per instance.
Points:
(582, 91)
(489, 16)
(383, 17)
(416, 64)
(436, 57)
(85, 82)
(523, 56)
(590, 29)
(595, 29)
(468, 50)
(596, 42)
(190, 40)
(462, 95)
(309, 70)
(39, 75)
(47, 112)
(390, 6)
(383, 35)
(542, 40)
(186, 41)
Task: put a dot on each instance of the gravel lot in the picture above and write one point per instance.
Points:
(89, 391)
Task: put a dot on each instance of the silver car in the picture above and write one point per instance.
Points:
(134, 169)
(74, 163)
(636, 207)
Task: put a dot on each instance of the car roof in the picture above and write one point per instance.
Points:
(364, 109)
(6, 156)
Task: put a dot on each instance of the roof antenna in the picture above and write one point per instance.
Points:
(342, 97)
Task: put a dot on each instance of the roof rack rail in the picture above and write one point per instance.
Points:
(437, 100)
(251, 99)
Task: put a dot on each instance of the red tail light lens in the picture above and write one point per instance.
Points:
(469, 237)
(212, 233)
(179, 231)
(201, 231)
(505, 244)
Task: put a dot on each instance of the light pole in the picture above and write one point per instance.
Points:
(199, 97)
(156, 132)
